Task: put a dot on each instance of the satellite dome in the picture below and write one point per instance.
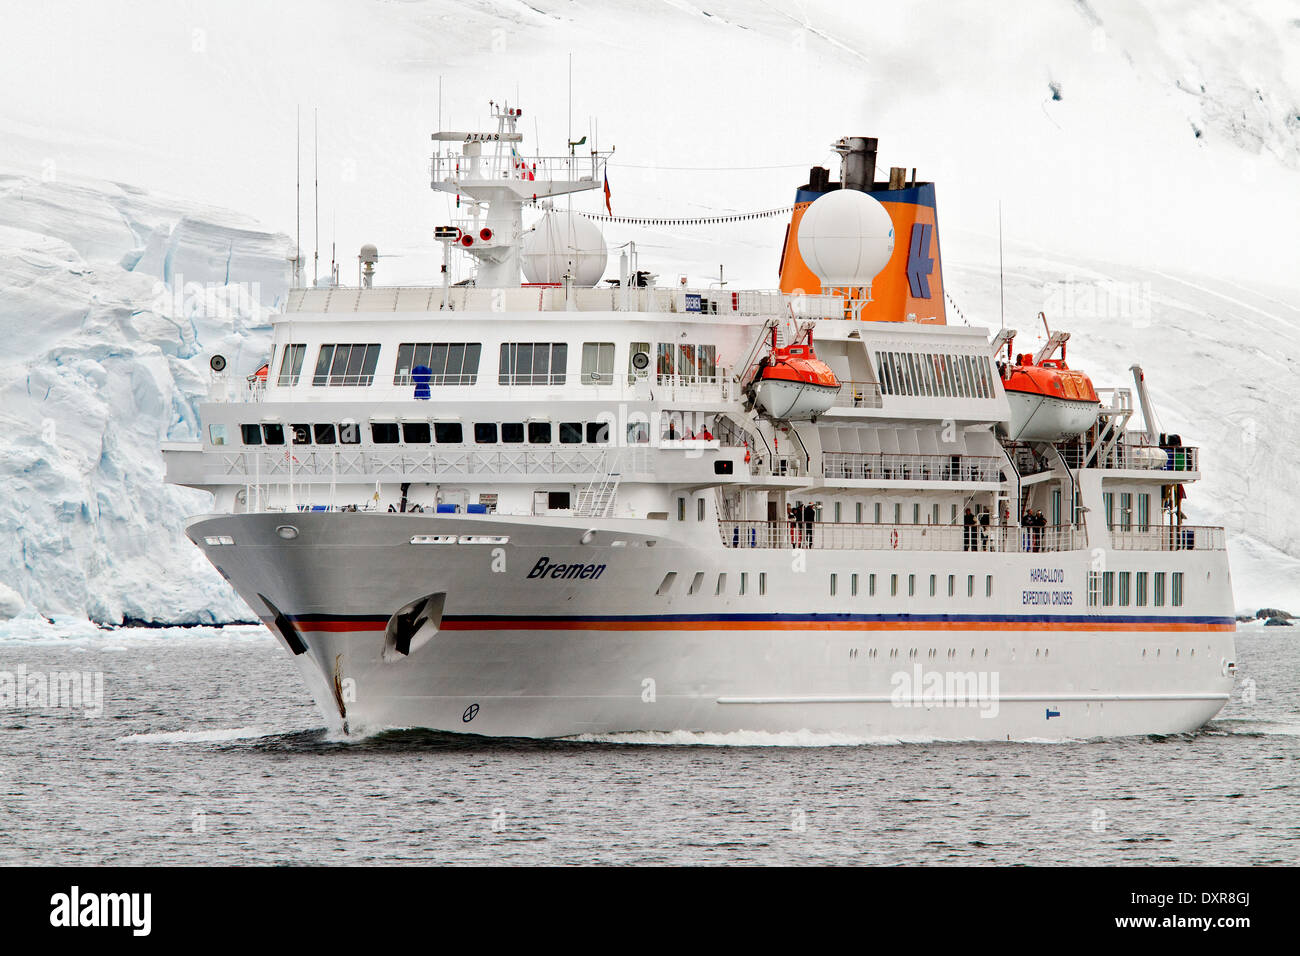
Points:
(846, 237)
(564, 242)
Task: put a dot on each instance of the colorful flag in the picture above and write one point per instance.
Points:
(607, 206)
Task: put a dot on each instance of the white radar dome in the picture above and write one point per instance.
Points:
(564, 242)
(846, 237)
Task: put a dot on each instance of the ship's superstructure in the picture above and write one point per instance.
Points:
(547, 508)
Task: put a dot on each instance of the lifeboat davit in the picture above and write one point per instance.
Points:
(792, 384)
(1049, 400)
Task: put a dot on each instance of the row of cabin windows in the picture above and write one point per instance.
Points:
(933, 375)
(1130, 588)
(1129, 518)
(520, 363)
(422, 433)
(911, 585)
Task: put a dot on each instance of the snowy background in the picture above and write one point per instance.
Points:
(1146, 156)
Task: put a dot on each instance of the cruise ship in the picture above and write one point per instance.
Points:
(545, 501)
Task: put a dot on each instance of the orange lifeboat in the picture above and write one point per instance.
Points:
(792, 384)
(1049, 400)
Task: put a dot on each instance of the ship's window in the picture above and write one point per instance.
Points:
(934, 585)
(762, 582)
(415, 433)
(512, 433)
(1125, 511)
(916, 512)
(834, 583)
(744, 581)
(954, 514)
(898, 512)
(952, 585)
(1158, 589)
(539, 433)
(970, 585)
(681, 509)
(721, 586)
(570, 433)
(1144, 512)
(302, 434)
(217, 434)
(638, 433)
(929, 374)
(988, 585)
(837, 512)
(707, 362)
(533, 363)
(877, 512)
(1108, 506)
(448, 433)
(1125, 580)
(252, 434)
(449, 363)
(291, 365)
(911, 585)
(384, 433)
(1107, 588)
(666, 584)
(1094, 582)
(346, 365)
(598, 433)
(871, 585)
(1140, 592)
(324, 433)
(934, 514)
(1176, 589)
(696, 582)
(485, 433)
(664, 360)
(699, 509)
(597, 363)
(274, 434)
(638, 362)
(349, 434)
(857, 512)
(557, 500)
(882, 376)
(893, 585)
(853, 585)
(686, 363)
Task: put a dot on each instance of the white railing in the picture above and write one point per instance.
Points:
(370, 464)
(837, 536)
(1165, 538)
(859, 395)
(884, 466)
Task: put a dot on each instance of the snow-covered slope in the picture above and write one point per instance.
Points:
(102, 361)
(1145, 152)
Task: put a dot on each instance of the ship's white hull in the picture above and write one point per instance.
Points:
(1043, 418)
(519, 653)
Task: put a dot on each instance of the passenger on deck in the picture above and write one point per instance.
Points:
(705, 434)
(809, 516)
(968, 532)
(984, 530)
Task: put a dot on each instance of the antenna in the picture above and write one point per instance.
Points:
(315, 151)
(1002, 291)
(297, 251)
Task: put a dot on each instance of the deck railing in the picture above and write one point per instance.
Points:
(843, 536)
(1165, 538)
(858, 395)
(900, 467)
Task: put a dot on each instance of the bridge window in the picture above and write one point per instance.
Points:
(597, 363)
(291, 365)
(349, 434)
(217, 434)
(598, 433)
(533, 363)
(638, 362)
(415, 433)
(570, 433)
(448, 433)
(707, 362)
(384, 433)
(252, 434)
(346, 365)
(539, 433)
(512, 433)
(449, 363)
(302, 434)
(324, 433)
(274, 434)
(485, 433)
